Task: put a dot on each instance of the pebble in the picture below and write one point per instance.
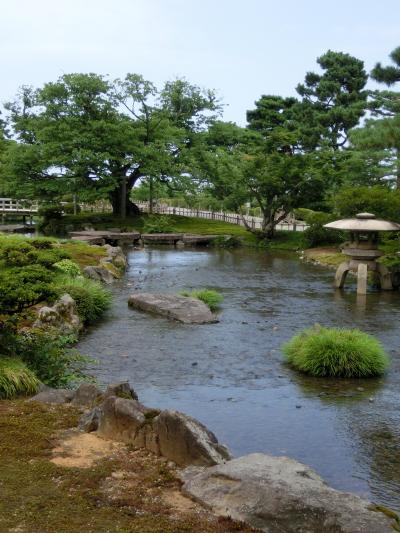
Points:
(275, 328)
(371, 399)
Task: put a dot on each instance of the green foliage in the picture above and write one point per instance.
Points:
(16, 378)
(51, 212)
(19, 252)
(92, 299)
(23, 287)
(42, 243)
(50, 357)
(68, 267)
(158, 224)
(210, 297)
(321, 351)
(317, 235)
(381, 201)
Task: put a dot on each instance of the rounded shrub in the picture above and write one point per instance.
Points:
(67, 266)
(347, 353)
(16, 378)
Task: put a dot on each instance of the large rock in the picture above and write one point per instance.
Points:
(121, 390)
(87, 395)
(174, 435)
(116, 256)
(120, 419)
(186, 441)
(99, 273)
(182, 308)
(62, 316)
(280, 495)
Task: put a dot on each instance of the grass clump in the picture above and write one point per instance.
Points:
(92, 299)
(16, 378)
(347, 353)
(210, 297)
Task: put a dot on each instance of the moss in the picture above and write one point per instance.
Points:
(37, 495)
(387, 512)
(84, 254)
(114, 271)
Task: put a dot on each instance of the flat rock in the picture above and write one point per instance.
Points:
(181, 308)
(279, 494)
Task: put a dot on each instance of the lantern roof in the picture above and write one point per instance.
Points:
(363, 222)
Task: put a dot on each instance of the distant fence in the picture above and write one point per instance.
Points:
(231, 218)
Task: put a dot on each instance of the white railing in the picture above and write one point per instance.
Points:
(231, 218)
(8, 205)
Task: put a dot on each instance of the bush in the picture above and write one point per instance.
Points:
(317, 235)
(42, 243)
(68, 267)
(92, 299)
(157, 224)
(16, 379)
(23, 287)
(52, 212)
(321, 351)
(211, 298)
(50, 358)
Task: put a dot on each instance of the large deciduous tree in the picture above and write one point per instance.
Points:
(83, 134)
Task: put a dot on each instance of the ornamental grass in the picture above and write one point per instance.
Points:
(347, 353)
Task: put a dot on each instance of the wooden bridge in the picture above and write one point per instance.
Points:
(8, 206)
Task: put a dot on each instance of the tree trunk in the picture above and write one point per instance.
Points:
(121, 203)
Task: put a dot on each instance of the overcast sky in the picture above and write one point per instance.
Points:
(240, 48)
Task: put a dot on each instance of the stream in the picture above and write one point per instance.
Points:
(231, 375)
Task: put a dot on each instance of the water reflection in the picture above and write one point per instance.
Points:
(230, 375)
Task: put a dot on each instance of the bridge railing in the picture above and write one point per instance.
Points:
(231, 218)
(9, 205)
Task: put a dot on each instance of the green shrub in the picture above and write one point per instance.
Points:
(18, 253)
(23, 287)
(51, 212)
(16, 379)
(321, 351)
(42, 243)
(227, 241)
(157, 224)
(50, 358)
(317, 235)
(92, 299)
(211, 298)
(68, 267)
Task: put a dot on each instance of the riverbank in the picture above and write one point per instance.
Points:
(55, 480)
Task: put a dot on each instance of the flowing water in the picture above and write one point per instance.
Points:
(231, 376)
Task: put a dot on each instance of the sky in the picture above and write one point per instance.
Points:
(242, 49)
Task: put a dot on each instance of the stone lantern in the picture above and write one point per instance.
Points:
(362, 251)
